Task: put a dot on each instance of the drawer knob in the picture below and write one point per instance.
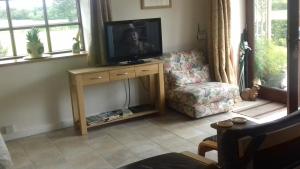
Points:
(122, 74)
(99, 77)
(145, 70)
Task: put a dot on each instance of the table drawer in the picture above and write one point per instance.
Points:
(146, 70)
(122, 74)
(94, 78)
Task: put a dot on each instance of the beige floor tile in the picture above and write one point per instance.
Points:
(205, 128)
(26, 166)
(188, 132)
(147, 149)
(104, 143)
(120, 157)
(73, 148)
(35, 142)
(90, 160)
(141, 147)
(198, 139)
(15, 147)
(154, 132)
(57, 165)
(172, 142)
(21, 160)
(46, 156)
(218, 117)
(130, 138)
(63, 135)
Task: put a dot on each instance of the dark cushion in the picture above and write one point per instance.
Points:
(167, 161)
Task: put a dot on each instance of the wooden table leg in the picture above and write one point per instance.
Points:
(161, 87)
(74, 102)
(152, 89)
(81, 107)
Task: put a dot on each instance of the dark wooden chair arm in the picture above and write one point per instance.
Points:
(209, 164)
(206, 146)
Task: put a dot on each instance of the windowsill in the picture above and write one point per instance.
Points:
(46, 57)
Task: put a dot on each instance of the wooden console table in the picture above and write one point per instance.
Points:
(81, 78)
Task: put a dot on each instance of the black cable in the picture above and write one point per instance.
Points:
(128, 93)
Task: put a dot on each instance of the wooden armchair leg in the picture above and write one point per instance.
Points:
(206, 146)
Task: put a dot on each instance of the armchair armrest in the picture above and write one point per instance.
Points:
(206, 146)
(210, 164)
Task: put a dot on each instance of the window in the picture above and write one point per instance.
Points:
(270, 34)
(58, 21)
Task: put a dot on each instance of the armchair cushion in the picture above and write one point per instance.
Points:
(185, 77)
(204, 93)
(202, 110)
(186, 67)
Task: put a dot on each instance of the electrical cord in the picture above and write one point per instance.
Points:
(126, 95)
(129, 93)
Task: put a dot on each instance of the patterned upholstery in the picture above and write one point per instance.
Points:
(189, 87)
(204, 93)
(199, 110)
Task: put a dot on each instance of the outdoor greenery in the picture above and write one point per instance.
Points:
(279, 5)
(3, 51)
(58, 10)
(271, 61)
(55, 11)
(270, 49)
(279, 32)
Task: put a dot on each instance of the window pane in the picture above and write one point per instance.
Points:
(62, 37)
(61, 11)
(5, 44)
(24, 13)
(271, 46)
(3, 15)
(21, 41)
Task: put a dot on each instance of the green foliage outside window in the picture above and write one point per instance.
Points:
(58, 10)
(3, 51)
(279, 5)
(270, 62)
(2, 14)
(279, 32)
(55, 11)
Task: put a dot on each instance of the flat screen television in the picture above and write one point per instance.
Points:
(133, 40)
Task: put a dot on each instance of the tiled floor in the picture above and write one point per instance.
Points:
(113, 146)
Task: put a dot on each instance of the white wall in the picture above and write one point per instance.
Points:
(179, 23)
(34, 97)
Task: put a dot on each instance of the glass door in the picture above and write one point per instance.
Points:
(270, 38)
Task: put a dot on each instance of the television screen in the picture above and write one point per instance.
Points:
(133, 40)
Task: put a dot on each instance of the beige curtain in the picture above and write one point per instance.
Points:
(100, 13)
(220, 42)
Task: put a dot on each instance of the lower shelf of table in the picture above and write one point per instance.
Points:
(135, 115)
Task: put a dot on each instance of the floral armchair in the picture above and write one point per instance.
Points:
(189, 87)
